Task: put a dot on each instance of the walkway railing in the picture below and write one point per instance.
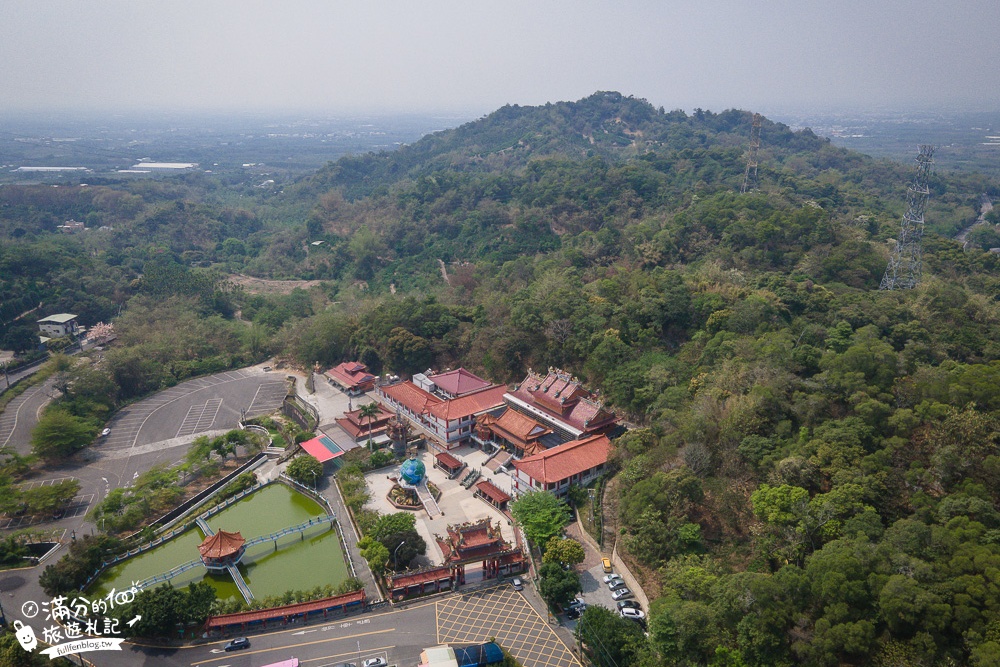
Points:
(240, 583)
(311, 492)
(427, 498)
(170, 574)
(205, 528)
(288, 531)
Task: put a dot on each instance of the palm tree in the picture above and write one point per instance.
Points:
(369, 411)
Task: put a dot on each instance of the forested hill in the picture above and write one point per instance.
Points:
(606, 124)
(813, 476)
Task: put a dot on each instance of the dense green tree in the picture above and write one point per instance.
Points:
(564, 551)
(305, 469)
(59, 434)
(541, 515)
(558, 586)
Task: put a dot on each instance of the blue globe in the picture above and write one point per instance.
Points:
(412, 471)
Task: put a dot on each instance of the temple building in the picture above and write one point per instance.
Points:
(515, 433)
(481, 542)
(561, 402)
(351, 376)
(222, 550)
(575, 462)
(447, 422)
(358, 427)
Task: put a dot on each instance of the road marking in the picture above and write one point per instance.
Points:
(304, 632)
(316, 641)
(17, 413)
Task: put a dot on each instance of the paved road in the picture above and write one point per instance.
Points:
(398, 635)
(21, 415)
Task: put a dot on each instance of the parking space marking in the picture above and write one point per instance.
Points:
(45, 482)
(268, 393)
(504, 614)
(199, 417)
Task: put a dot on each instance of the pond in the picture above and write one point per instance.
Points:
(302, 561)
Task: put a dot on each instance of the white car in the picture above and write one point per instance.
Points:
(634, 614)
(106, 432)
(374, 662)
(621, 594)
(611, 577)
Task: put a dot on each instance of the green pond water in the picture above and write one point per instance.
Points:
(315, 559)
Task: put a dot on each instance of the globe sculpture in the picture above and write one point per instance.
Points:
(412, 472)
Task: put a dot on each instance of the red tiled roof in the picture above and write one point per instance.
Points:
(566, 460)
(437, 574)
(221, 545)
(459, 382)
(468, 405)
(572, 406)
(411, 396)
(287, 610)
(522, 427)
(447, 460)
(487, 488)
(356, 431)
(352, 374)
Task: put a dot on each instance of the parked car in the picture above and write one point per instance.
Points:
(621, 594)
(631, 604)
(238, 643)
(611, 577)
(634, 614)
(577, 603)
(606, 564)
(574, 613)
(517, 584)
(615, 584)
(374, 662)
(106, 432)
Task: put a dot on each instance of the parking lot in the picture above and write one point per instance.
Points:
(76, 507)
(502, 613)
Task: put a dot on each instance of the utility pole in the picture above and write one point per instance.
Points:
(750, 173)
(906, 262)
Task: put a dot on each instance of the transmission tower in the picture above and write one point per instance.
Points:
(750, 175)
(906, 263)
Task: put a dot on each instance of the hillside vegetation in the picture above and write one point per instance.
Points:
(813, 479)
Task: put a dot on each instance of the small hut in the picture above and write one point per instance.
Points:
(222, 550)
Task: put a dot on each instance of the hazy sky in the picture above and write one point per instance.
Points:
(471, 57)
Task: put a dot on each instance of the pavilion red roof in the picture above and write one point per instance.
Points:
(447, 460)
(566, 460)
(352, 375)
(221, 545)
(521, 427)
(488, 488)
(459, 382)
(287, 610)
(414, 578)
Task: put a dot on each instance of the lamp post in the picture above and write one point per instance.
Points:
(315, 488)
(395, 565)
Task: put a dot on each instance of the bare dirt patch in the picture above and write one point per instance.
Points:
(263, 286)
